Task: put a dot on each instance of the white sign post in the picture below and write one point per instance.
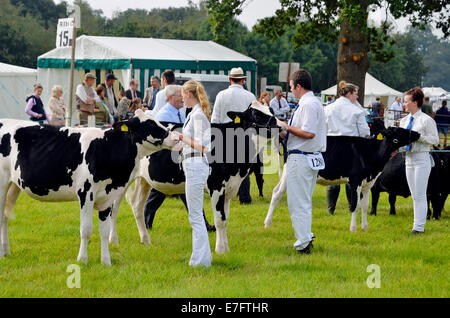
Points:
(285, 71)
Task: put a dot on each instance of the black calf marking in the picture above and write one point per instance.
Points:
(83, 193)
(103, 215)
(5, 145)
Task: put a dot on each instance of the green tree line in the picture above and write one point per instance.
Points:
(28, 29)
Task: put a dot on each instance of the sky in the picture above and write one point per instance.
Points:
(253, 11)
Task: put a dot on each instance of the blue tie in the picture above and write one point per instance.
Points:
(408, 147)
(290, 122)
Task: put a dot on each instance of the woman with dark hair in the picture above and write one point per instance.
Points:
(418, 161)
(35, 107)
(104, 116)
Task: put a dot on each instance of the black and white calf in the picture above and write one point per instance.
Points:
(393, 180)
(354, 160)
(89, 165)
(227, 169)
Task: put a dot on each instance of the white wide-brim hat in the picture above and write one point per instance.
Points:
(236, 72)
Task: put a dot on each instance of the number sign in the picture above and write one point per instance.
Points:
(64, 32)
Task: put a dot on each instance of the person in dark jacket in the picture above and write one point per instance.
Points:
(442, 119)
(35, 107)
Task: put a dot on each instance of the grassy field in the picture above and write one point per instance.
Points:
(45, 240)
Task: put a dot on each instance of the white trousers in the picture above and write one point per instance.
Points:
(418, 167)
(301, 181)
(196, 171)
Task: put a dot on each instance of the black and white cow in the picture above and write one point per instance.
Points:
(393, 180)
(89, 165)
(354, 160)
(161, 172)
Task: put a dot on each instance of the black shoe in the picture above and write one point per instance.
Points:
(307, 249)
(246, 202)
(331, 212)
(210, 228)
(417, 232)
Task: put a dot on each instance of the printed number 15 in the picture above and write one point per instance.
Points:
(64, 36)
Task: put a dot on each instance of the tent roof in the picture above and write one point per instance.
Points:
(145, 49)
(8, 69)
(372, 87)
(434, 91)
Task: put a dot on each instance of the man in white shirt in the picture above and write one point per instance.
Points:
(279, 105)
(167, 78)
(234, 98)
(396, 108)
(109, 88)
(86, 97)
(307, 133)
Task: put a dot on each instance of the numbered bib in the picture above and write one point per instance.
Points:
(316, 161)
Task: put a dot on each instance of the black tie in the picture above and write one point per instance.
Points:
(179, 117)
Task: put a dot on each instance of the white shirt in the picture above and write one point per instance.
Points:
(346, 119)
(110, 96)
(81, 93)
(197, 127)
(396, 106)
(234, 98)
(161, 100)
(280, 112)
(310, 117)
(426, 127)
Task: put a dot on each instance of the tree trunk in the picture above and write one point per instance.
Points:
(353, 63)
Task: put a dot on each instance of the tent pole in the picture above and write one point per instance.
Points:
(72, 67)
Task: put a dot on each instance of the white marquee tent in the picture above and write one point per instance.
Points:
(15, 84)
(373, 89)
(138, 58)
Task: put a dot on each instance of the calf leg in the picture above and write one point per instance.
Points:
(220, 207)
(277, 194)
(141, 192)
(364, 207)
(85, 229)
(354, 206)
(113, 221)
(375, 197)
(392, 200)
(104, 218)
(11, 198)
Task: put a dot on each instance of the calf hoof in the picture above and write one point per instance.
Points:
(353, 228)
(267, 224)
(364, 227)
(106, 261)
(210, 228)
(373, 213)
(145, 241)
(222, 250)
(83, 259)
(6, 250)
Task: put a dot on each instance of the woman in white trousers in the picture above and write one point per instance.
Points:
(418, 160)
(196, 140)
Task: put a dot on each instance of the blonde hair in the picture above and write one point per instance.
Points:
(345, 88)
(55, 90)
(37, 86)
(198, 91)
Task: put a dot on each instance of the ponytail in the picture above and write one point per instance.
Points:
(345, 88)
(198, 91)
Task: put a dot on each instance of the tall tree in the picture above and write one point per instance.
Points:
(342, 20)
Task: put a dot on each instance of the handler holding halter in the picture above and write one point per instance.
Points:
(197, 142)
(306, 139)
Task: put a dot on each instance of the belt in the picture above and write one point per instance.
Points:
(290, 152)
(191, 155)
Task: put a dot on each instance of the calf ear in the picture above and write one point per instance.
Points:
(235, 116)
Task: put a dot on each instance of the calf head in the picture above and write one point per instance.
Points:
(397, 137)
(148, 132)
(256, 116)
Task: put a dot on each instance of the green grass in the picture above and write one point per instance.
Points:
(45, 240)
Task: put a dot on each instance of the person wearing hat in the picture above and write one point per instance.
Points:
(86, 98)
(109, 88)
(234, 98)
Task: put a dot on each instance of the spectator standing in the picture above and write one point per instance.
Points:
(104, 115)
(110, 95)
(234, 98)
(264, 99)
(418, 159)
(442, 119)
(57, 107)
(167, 78)
(426, 108)
(377, 108)
(86, 98)
(35, 107)
(150, 93)
(123, 106)
(307, 137)
(133, 92)
(279, 105)
(396, 108)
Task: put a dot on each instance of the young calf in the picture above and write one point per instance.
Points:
(89, 165)
(230, 162)
(354, 160)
